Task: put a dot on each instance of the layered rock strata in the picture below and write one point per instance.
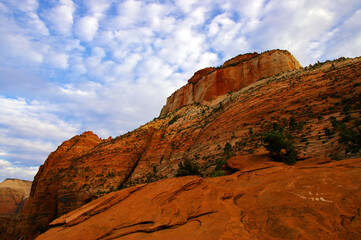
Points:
(13, 193)
(235, 74)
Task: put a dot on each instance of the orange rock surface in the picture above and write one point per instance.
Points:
(49, 198)
(303, 102)
(209, 83)
(12, 193)
(305, 201)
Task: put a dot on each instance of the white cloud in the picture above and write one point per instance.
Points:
(24, 5)
(29, 146)
(37, 25)
(58, 60)
(130, 12)
(73, 92)
(186, 5)
(345, 40)
(86, 28)
(97, 8)
(250, 9)
(29, 132)
(33, 119)
(226, 36)
(18, 47)
(77, 64)
(8, 170)
(61, 17)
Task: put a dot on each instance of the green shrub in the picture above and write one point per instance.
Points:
(281, 149)
(187, 168)
(220, 163)
(292, 124)
(227, 150)
(173, 120)
(328, 132)
(218, 173)
(351, 136)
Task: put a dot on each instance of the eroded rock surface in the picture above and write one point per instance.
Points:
(305, 201)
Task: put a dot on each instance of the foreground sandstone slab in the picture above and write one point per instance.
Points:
(305, 201)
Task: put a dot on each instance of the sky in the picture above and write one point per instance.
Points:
(69, 66)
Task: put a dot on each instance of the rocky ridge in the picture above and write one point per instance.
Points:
(12, 193)
(304, 102)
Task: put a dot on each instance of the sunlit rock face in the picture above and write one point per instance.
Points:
(234, 74)
(315, 199)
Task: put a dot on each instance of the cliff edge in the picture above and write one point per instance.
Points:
(235, 74)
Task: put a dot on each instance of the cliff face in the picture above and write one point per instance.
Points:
(49, 198)
(13, 192)
(209, 83)
(303, 102)
(315, 199)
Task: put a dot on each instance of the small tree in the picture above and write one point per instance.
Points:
(187, 168)
(281, 149)
(351, 136)
(227, 150)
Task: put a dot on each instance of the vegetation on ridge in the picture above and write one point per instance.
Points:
(280, 147)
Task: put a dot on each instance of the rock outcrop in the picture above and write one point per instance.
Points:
(235, 74)
(311, 104)
(49, 198)
(311, 200)
(13, 193)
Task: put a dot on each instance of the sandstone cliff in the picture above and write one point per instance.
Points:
(315, 199)
(234, 74)
(13, 192)
(49, 196)
(309, 103)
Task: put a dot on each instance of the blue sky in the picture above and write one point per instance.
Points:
(108, 65)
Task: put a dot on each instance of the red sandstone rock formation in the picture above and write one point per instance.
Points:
(12, 193)
(86, 167)
(49, 198)
(311, 200)
(209, 83)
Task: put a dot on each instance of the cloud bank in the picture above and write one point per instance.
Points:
(107, 66)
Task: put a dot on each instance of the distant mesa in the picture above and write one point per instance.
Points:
(235, 74)
(13, 193)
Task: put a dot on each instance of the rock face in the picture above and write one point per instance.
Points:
(311, 200)
(310, 104)
(49, 198)
(13, 192)
(237, 73)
